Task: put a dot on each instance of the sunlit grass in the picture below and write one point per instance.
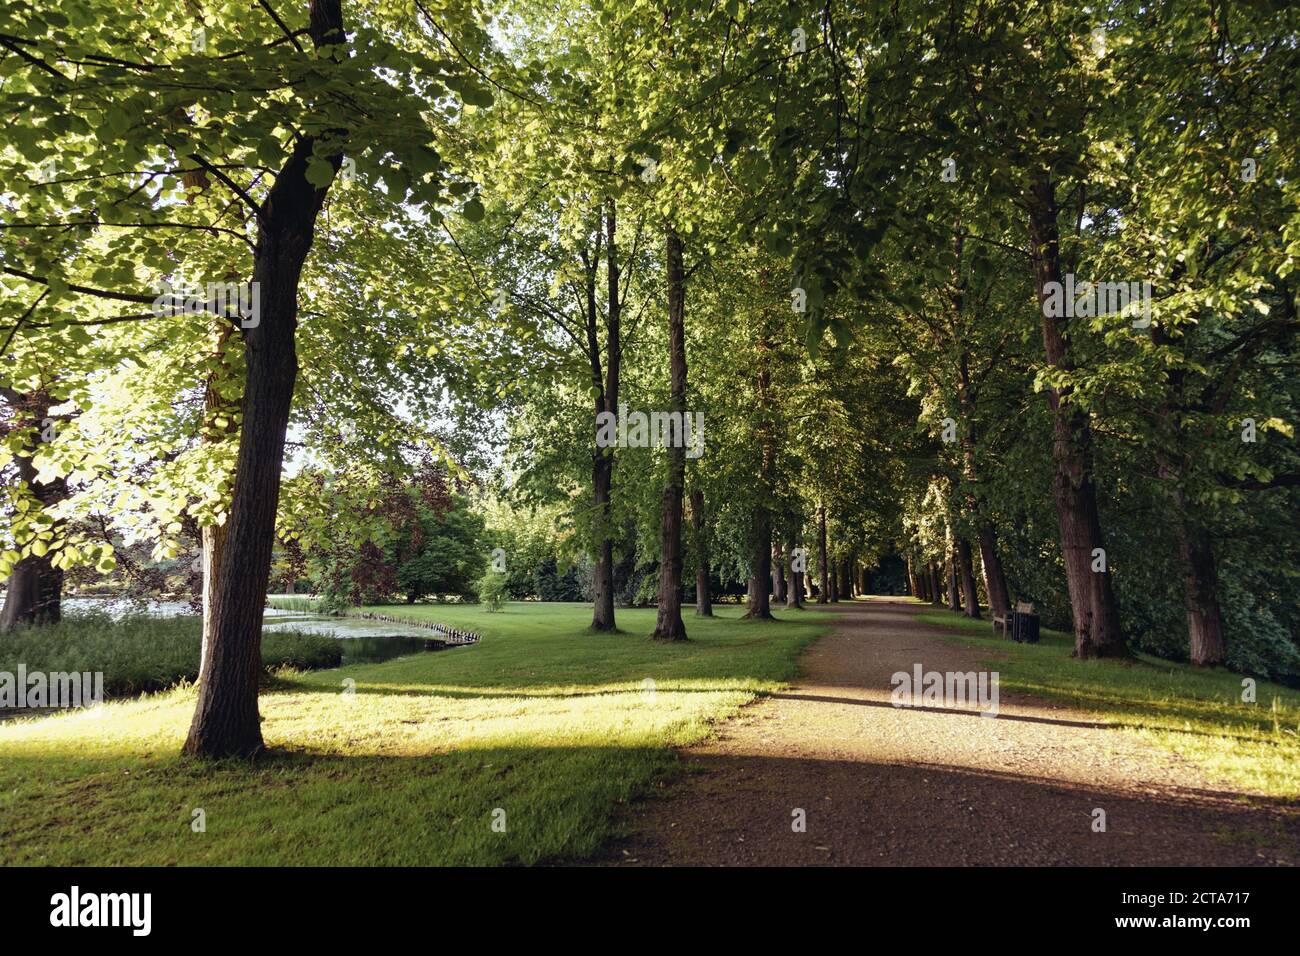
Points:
(402, 762)
(1196, 713)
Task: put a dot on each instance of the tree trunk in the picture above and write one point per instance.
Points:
(606, 400)
(936, 588)
(226, 720)
(760, 572)
(1092, 599)
(668, 623)
(995, 581)
(213, 537)
(824, 587)
(34, 594)
(954, 597)
(602, 618)
(214, 546)
(794, 593)
(778, 574)
(703, 585)
(1208, 645)
(967, 578)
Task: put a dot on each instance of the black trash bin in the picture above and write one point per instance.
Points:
(1024, 627)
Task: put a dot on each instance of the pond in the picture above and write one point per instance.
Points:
(364, 641)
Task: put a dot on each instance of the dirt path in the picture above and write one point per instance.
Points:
(889, 786)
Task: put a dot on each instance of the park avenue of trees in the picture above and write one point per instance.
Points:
(998, 298)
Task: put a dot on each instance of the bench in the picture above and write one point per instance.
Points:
(1022, 607)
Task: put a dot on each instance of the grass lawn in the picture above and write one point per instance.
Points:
(1196, 713)
(400, 762)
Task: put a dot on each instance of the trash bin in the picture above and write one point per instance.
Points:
(1024, 627)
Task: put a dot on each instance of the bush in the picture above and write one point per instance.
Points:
(492, 589)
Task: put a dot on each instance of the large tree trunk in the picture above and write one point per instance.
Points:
(760, 572)
(226, 721)
(703, 584)
(668, 624)
(778, 574)
(606, 400)
(995, 580)
(1208, 645)
(823, 572)
(213, 537)
(602, 618)
(967, 578)
(794, 593)
(214, 546)
(835, 582)
(1092, 599)
(936, 587)
(34, 593)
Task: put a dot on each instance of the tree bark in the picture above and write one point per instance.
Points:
(954, 597)
(1208, 646)
(668, 623)
(226, 720)
(967, 578)
(34, 593)
(1207, 641)
(794, 593)
(778, 574)
(213, 537)
(936, 588)
(606, 400)
(703, 584)
(760, 572)
(995, 580)
(1092, 600)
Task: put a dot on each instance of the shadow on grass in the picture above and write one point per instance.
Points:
(564, 803)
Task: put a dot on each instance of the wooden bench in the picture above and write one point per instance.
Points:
(1022, 607)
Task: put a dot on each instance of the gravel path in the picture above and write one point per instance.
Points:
(919, 787)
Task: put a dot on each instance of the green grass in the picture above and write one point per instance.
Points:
(139, 653)
(291, 602)
(1194, 712)
(554, 725)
